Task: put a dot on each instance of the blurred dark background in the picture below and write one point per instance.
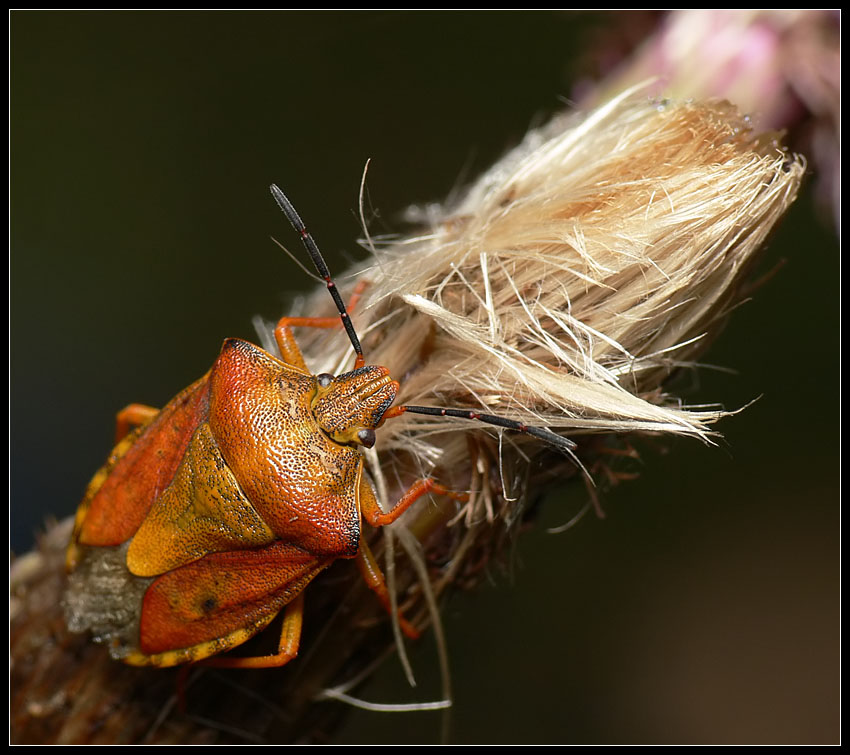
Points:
(703, 609)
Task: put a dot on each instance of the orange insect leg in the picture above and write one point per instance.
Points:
(289, 349)
(378, 518)
(372, 576)
(369, 569)
(290, 639)
(132, 416)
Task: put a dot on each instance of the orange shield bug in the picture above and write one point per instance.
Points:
(212, 515)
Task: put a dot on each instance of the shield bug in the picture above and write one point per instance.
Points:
(212, 515)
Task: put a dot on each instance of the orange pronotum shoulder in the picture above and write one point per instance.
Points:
(229, 502)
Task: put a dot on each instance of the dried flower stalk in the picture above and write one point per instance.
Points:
(561, 290)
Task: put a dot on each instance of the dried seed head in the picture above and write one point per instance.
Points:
(564, 287)
(584, 267)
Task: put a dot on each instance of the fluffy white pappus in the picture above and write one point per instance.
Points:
(578, 273)
(560, 291)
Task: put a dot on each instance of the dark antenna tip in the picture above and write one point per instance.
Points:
(558, 441)
(319, 263)
(553, 439)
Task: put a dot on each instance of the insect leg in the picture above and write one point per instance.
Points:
(372, 576)
(377, 518)
(289, 350)
(132, 416)
(290, 639)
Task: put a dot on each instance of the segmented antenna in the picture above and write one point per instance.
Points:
(553, 439)
(319, 261)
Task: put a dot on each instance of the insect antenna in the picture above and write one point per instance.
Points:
(553, 439)
(319, 261)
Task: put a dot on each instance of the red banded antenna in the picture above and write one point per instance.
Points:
(322, 267)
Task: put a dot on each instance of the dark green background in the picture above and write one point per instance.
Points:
(703, 609)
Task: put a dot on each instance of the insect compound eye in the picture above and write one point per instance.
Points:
(366, 437)
(324, 379)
